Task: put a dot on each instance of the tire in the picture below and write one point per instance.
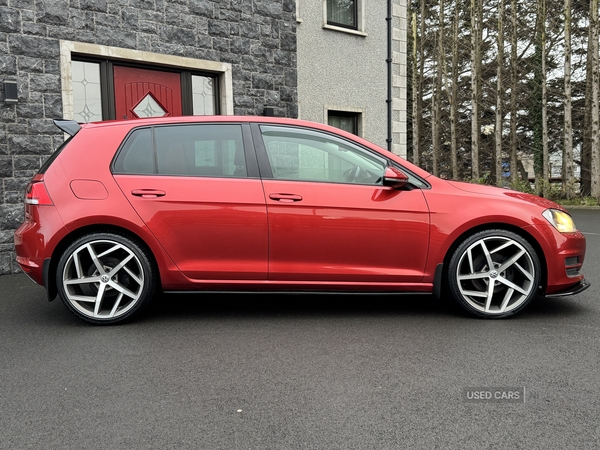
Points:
(502, 290)
(105, 278)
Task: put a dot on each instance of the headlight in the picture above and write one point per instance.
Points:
(560, 220)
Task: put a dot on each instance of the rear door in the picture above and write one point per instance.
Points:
(196, 187)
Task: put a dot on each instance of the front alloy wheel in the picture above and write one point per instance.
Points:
(105, 278)
(494, 274)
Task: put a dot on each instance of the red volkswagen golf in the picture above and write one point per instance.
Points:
(123, 209)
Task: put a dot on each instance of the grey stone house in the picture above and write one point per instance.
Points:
(76, 59)
(90, 60)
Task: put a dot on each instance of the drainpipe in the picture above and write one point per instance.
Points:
(389, 74)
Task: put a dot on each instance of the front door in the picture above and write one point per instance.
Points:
(331, 219)
(146, 93)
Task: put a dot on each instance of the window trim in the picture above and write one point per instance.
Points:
(121, 56)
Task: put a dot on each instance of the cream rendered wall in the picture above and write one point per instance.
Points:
(347, 71)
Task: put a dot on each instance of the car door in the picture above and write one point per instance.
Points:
(196, 187)
(330, 217)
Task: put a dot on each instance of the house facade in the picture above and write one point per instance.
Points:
(90, 60)
(343, 71)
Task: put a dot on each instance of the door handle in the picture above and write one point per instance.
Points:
(285, 198)
(148, 193)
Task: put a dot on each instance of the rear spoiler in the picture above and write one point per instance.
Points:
(68, 126)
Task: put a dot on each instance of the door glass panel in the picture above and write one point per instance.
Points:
(203, 95)
(201, 150)
(87, 98)
(296, 154)
(149, 107)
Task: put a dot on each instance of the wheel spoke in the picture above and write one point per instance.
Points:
(77, 264)
(524, 272)
(474, 293)
(137, 279)
(117, 304)
(119, 266)
(110, 250)
(123, 290)
(474, 276)
(488, 256)
(506, 264)
(502, 247)
(82, 298)
(82, 280)
(99, 298)
(507, 297)
(470, 256)
(95, 259)
(490, 295)
(512, 285)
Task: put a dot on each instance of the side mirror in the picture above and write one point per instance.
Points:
(394, 178)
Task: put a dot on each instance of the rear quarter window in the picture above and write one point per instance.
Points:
(137, 154)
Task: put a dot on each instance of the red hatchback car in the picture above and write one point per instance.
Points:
(125, 208)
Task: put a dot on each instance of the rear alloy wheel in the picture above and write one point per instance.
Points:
(105, 278)
(494, 274)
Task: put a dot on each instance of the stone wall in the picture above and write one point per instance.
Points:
(257, 37)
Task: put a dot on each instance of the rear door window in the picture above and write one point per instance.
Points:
(210, 150)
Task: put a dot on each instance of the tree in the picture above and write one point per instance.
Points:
(499, 95)
(595, 113)
(567, 169)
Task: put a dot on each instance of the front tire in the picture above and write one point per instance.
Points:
(494, 274)
(105, 278)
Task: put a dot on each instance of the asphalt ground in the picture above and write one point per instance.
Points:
(302, 372)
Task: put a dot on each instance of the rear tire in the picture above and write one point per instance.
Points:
(105, 278)
(494, 274)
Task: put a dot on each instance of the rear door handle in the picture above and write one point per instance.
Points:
(285, 198)
(148, 193)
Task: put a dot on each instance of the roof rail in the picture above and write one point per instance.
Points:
(70, 127)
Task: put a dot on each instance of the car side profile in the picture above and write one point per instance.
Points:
(124, 209)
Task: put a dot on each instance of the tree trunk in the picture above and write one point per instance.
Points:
(567, 169)
(475, 66)
(585, 185)
(437, 95)
(595, 113)
(514, 175)
(454, 97)
(500, 62)
(545, 157)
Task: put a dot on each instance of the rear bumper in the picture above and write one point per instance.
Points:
(579, 287)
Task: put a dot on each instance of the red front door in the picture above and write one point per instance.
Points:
(146, 93)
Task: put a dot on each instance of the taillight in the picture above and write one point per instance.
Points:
(36, 193)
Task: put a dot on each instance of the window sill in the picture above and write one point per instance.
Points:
(344, 30)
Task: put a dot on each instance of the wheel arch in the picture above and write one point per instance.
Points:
(500, 226)
(51, 266)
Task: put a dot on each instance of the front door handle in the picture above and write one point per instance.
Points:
(148, 193)
(286, 198)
